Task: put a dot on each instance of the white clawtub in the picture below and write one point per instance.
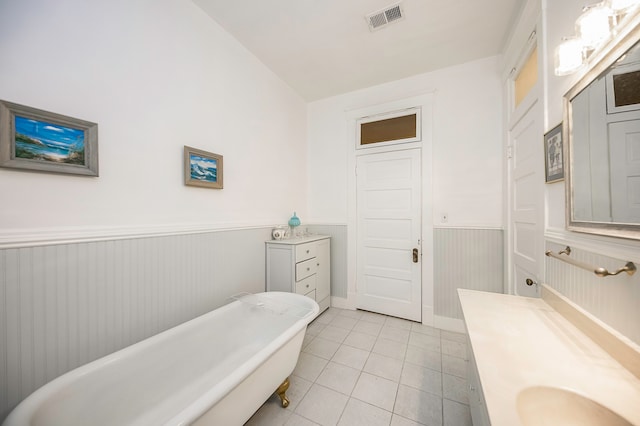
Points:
(217, 369)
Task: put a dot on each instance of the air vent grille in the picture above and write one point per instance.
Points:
(384, 17)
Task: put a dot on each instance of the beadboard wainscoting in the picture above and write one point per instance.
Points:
(338, 259)
(613, 300)
(64, 305)
(465, 258)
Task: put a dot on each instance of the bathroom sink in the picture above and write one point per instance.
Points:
(549, 406)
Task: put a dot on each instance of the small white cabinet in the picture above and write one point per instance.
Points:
(301, 265)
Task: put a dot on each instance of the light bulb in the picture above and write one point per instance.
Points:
(594, 25)
(622, 6)
(569, 56)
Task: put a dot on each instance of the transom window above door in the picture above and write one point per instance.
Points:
(389, 128)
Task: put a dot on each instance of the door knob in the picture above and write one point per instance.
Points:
(530, 282)
(415, 255)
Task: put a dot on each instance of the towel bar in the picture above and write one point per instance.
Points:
(629, 267)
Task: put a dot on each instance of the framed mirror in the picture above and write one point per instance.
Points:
(602, 134)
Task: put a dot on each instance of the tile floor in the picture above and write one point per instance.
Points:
(360, 368)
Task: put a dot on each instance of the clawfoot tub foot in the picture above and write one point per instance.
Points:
(281, 392)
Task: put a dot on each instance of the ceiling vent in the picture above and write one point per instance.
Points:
(384, 17)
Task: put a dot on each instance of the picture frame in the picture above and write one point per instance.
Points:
(554, 155)
(203, 168)
(36, 140)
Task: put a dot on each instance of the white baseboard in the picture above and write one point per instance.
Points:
(342, 303)
(427, 315)
(449, 324)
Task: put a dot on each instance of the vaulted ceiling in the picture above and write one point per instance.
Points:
(323, 48)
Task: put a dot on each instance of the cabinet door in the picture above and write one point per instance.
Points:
(323, 274)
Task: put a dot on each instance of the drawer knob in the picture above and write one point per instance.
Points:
(308, 269)
(307, 251)
(307, 285)
(317, 264)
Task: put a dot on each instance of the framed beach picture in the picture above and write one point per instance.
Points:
(33, 139)
(202, 168)
(553, 155)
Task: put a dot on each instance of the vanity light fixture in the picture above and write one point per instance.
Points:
(569, 56)
(594, 28)
(594, 25)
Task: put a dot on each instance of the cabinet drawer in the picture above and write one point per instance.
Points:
(306, 285)
(311, 294)
(305, 269)
(305, 251)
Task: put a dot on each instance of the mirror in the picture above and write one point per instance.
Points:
(602, 130)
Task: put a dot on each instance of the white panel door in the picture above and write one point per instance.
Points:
(388, 233)
(624, 155)
(526, 201)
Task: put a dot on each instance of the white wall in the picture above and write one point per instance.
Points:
(155, 75)
(467, 144)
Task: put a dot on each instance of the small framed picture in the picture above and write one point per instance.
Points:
(202, 168)
(33, 139)
(553, 155)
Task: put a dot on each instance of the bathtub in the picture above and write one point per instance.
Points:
(217, 369)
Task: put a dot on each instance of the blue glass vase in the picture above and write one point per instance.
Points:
(294, 221)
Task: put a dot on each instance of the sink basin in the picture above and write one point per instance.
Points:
(549, 406)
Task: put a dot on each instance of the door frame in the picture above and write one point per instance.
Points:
(520, 46)
(425, 101)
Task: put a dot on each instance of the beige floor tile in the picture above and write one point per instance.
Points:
(396, 334)
(390, 348)
(359, 413)
(452, 348)
(297, 420)
(344, 322)
(456, 414)
(397, 420)
(456, 337)
(360, 340)
(455, 388)
(425, 341)
(339, 377)
(309, 366)
(418, 406)
(351, 357)
(333, 333)
(351, 313)
(425, 329)
(454, 366)
(373, 317)
(376, 391)
(424, 358)
(384, 366)
(398, 323)
(322, 405)
(322, 348)
(367, 327)
(421, 378)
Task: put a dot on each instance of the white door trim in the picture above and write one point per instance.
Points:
(519, 48)
(424, 101)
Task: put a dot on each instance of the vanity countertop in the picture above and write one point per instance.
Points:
(520, 342)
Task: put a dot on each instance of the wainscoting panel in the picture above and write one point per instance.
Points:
(465, 258)
(338, 256)
(64, 305)
(613, 300)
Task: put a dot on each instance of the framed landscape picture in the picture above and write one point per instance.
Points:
(202, 168)
(553, 154)
(33, 139)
